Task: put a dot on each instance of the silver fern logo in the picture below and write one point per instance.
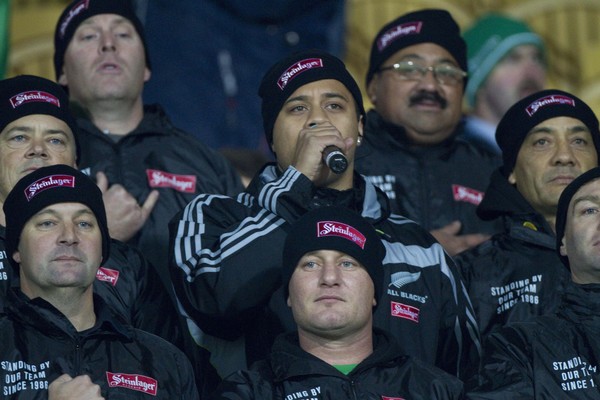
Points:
(402, 278)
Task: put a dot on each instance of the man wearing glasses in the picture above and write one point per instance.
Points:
(416, 81)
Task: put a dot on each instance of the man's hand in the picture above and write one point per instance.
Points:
(125, 216)
(67, 388)
(309, 150)
(454, 243)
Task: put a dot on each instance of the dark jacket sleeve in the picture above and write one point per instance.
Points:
(506, 371)
(224, 268)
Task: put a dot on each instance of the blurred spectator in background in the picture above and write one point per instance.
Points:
(209, 56)
(506, 63)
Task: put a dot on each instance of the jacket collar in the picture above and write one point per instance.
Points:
(44, 317)
(288, 359)
(364, 197)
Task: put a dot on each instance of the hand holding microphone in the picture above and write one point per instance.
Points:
(333, 157)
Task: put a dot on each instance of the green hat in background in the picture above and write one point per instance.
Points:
(488, 41)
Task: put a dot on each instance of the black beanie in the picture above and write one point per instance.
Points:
(334, 228)
(26, 95)
(296, 70)
(563, 206)
(80, 10)
(534, 109)
(423, 26)
(44, 187)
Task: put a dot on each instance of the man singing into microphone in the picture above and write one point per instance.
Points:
(226, 263)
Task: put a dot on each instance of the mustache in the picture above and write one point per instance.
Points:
(428, 96)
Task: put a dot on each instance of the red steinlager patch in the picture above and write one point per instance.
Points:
(108, 275)
(468, 195)
(136, 382)
(405, 311)
(161, 179)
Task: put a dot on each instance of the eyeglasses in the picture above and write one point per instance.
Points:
(410, 71)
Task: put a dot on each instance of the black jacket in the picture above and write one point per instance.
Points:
(131, 287)
(156, 155)
(39, 344)
(516, 275)
(127, 283)
(431, 185)
(292, 373)
(227, 274)
(551, 357)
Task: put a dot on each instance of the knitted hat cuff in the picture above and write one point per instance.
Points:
(481, 67)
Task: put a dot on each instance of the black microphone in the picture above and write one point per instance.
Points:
(332, 156)
(334, 159)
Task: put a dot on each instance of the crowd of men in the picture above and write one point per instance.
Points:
(431, 265)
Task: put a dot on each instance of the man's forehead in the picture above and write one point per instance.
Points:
(70, 207)
(559, 121)
(323, 87)
(113, 19)
(430, 52)
(50, 125)
(325, 252)
(589, 191)
(50, 121)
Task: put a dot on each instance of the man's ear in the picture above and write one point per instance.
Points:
(511, 178)
(62, 79)
(17, 257)
(371, 89)
(147, 74)
(563, 247)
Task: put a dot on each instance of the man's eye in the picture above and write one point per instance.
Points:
(410, 70)
(18, 138)
(348, 264)
(298, 108)
(310, 265)
(88, 36)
